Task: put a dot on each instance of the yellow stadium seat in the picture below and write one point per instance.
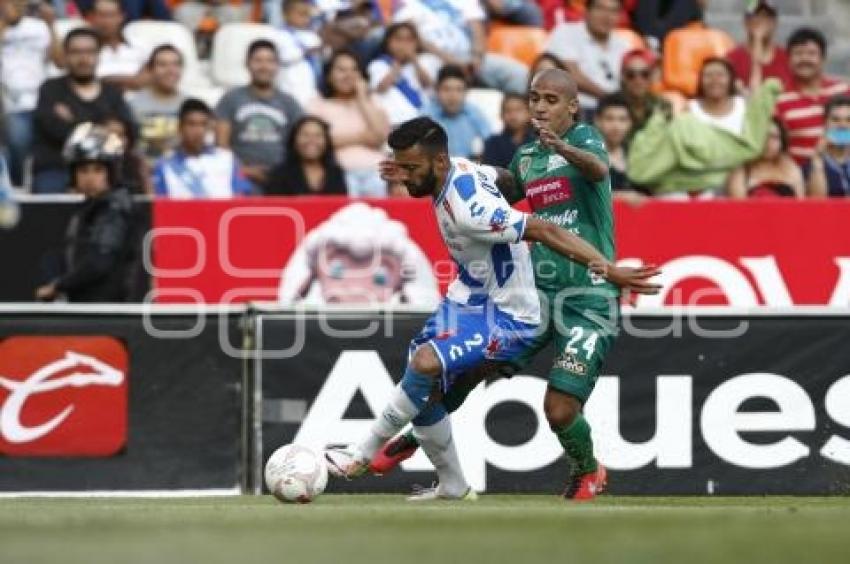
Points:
(523, 43)
(685, 49)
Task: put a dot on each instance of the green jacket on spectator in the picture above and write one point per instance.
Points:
(687, 155)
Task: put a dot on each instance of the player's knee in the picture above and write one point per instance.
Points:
(561, 410)
(426, 362)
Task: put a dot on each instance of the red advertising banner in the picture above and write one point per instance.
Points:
(63, 396)
(321, 250)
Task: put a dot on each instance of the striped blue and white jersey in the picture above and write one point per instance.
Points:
(484, 236)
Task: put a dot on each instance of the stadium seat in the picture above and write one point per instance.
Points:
(230, 45)
(685, 49)
(151, 34)
(631, 37)
(489, 101)
(62, 27)
(519, 42)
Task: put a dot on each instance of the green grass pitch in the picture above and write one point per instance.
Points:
(348, 529)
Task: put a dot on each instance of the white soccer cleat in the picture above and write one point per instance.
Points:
(435, 493)
(345, 463)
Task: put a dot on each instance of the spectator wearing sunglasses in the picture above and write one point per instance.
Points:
(639, 71)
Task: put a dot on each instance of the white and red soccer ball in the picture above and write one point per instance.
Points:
(296, 474)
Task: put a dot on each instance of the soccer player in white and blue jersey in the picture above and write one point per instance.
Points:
(491, 311)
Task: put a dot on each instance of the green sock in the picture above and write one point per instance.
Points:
(578, 445)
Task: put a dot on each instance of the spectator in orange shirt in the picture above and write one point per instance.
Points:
(760, 57)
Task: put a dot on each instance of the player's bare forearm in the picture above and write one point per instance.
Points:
(563, 242)
(508, 185)
(590, 166)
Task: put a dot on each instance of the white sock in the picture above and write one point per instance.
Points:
(437, 442)
(398, 413)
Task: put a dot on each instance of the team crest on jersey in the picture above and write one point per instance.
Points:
(499, 220)
(524, 165)
(556, 162)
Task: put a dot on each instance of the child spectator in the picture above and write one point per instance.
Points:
(591, 52)
(801, 107)
(359, 126)
(829, 170)
(773, 174)
(759, 58)
(310, 166)
(465, 124)
(254, 120)
(398, 76)
(195, 169)
(499, 149)
(26, 45)
(155, 107)
(299, 47)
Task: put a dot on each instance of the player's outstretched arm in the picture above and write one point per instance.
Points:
(575, 248)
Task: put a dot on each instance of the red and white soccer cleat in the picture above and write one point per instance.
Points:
(394, 452)
(587, 486)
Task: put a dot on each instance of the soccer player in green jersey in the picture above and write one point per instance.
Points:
(564, 177)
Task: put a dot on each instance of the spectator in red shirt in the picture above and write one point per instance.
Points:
(801, 107)
(771, 59)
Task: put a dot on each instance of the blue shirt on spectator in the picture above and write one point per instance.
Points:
(499, 149)
(837, 176)
(462, 128)
(214, 173)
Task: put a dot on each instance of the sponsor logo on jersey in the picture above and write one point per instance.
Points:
(548, 192)
(63, 396)
(570, 363)
(556, 162)
(524, 165)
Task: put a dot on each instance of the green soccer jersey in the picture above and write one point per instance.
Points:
(558, 192)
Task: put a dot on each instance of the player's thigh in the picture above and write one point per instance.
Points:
(581, 346)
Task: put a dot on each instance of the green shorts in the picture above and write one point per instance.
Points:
(582, 335)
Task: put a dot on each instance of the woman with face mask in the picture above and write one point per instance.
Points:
(828, 172)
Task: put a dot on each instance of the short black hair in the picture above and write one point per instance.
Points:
(81, 32)
(513, 97)
(612, 101)
(192, 105)
(260, 44)
(162, 49)
(422, 131)
(451, 71)
(804, 35)
(836, 102)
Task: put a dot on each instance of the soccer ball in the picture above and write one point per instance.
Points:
(296, 474)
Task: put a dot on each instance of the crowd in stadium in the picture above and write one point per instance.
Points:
(685, 113)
